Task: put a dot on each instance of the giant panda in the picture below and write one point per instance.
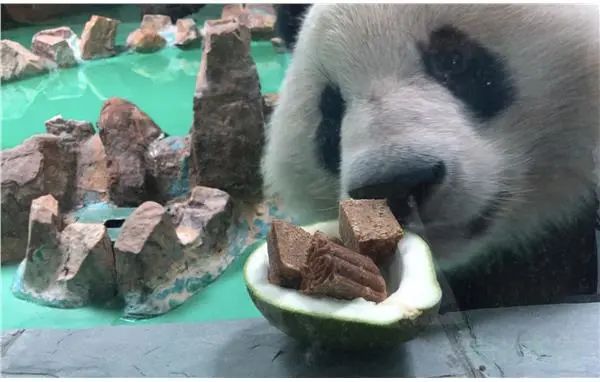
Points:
(486, 116)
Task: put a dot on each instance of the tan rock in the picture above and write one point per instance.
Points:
(98, 38)
(18, 62)
(187, 33)
(155, 22)
(79, 130)
(53, 44)
(145, 40)
(41, 165)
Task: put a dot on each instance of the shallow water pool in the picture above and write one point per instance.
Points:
(161, 84)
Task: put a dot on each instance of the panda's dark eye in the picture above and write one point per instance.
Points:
(327, 138)
(468, 70)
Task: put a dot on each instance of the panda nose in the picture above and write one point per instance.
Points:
(415, 177)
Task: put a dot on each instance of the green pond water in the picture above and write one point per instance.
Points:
(161, 84)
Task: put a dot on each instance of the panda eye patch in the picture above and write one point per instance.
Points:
(327, 138)
(472, 73)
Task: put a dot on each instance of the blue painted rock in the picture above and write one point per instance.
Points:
(42, 165)
(227, 135)
(126, 132)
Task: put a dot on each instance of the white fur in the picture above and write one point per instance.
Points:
(539, 148)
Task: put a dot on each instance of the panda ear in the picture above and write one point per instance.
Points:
(289, 21)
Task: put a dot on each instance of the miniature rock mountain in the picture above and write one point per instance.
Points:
(187, 34)
(126, 132)
(41, 165)
(165, 255)
(18, 62)
(228, 115)
(65, 269)
(53, 44)
(98, 38)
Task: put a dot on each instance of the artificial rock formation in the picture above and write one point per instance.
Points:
(148, 254)
(126, 132)
(98, 38)
(187, 34)
(145, 40)
(155, 22)
(228, 113)
(79, 130)
(168, 165)
(18, 62)
(259, 18)
(42, 165)
(53, 44)
(65, 269)
(202, 217)
(91, 178)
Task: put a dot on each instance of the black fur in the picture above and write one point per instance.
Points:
(289, 20)
(472, 73)
(327, 138)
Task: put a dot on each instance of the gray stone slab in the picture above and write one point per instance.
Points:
(541, 341)
(545, 341)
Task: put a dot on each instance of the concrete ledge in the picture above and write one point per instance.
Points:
(537, 341)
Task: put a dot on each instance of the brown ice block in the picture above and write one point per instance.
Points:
(287, 246)
(370, 228)
(336, 271)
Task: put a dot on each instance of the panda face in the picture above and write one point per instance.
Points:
(485, 115)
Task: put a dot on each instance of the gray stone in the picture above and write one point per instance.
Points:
(126, 132)
(41, 165)
(554, 341)
(227, 135)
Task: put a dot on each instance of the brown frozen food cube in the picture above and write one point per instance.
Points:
(336, 271)
(287, 246)
(370, 228)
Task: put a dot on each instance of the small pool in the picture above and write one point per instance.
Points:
(161, 84)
